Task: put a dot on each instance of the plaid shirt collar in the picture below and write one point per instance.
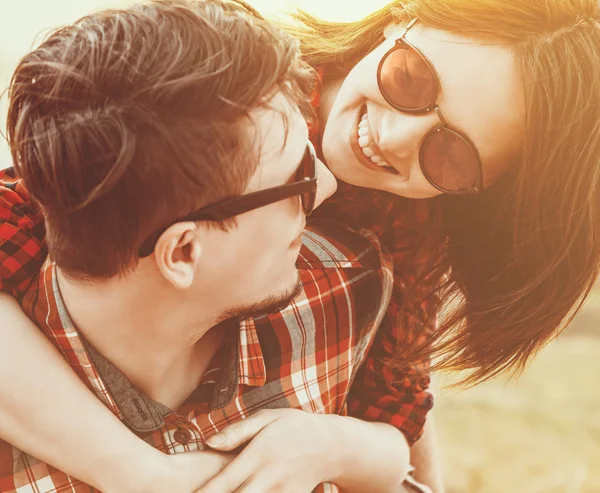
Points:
(240, 361)
(242, 364)
(251, 363)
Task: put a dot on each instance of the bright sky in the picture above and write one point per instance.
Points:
(24, 21)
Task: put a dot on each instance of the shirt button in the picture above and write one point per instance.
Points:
(182, 436)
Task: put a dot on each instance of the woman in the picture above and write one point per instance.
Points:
(488, 110)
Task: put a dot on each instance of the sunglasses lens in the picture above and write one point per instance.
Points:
(406, 80)
(450, 162)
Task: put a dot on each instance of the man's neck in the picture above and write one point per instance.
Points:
(151, 337)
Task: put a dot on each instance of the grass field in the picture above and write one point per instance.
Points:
(540, 434)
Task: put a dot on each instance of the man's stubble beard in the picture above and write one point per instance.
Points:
(269, 306)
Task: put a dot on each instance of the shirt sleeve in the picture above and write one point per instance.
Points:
(395, 394)
(22, 236)
(398, 396)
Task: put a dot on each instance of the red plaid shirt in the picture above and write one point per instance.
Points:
(305, 357)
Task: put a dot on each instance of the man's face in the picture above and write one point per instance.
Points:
(253, 265)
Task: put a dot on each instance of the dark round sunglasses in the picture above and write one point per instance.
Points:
(408, 82)
(304, 183)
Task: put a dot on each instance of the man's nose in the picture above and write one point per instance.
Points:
(401, 134)
(326, 183)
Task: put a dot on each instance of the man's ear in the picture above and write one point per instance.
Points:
(391, 30)
(178, 252)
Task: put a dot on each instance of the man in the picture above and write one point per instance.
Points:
(167, 150)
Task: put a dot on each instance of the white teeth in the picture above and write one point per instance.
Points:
(367, 151)
(364, 141)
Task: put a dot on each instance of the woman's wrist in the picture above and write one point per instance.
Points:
(149, 471)
(375, 456)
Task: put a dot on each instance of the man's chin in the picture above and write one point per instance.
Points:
(271, 305)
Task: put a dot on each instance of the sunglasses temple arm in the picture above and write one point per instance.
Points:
(408, 26)
(246, 203)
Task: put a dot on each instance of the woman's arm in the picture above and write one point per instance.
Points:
(46, 411)
(425, 457)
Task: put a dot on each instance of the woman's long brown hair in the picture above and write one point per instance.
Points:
(520, 258)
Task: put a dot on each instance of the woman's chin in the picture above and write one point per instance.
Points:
(348, 172)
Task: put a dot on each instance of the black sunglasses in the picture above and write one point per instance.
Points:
(304, 184)
(408, 82)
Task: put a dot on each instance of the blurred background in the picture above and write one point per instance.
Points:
(539, 434)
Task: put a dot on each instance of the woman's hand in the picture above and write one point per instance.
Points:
(288, 450)
(294, 451)
(178, 473)
(190, 471)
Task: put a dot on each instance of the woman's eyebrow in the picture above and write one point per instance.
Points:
(424, 55)
(440, 83)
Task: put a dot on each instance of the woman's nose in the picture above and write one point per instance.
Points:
(326, 183)
(401, 134)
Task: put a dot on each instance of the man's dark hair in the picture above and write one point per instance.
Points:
(130, 119)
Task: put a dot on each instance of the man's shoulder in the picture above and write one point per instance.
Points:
(346, 287)
(330, 244)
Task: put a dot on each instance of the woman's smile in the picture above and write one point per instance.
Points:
(364, 147)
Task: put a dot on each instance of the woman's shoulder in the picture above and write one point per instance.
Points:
(381, 212)
(22, 235)
(408, 229)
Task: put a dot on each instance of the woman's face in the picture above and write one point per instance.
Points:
(480, 95)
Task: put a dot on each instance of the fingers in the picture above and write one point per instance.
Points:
(243, 431)
(258, 484)
(268, 481)
(197, 468)
(214, 462)
(233, 476)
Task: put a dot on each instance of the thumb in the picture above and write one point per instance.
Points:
(242, 432)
